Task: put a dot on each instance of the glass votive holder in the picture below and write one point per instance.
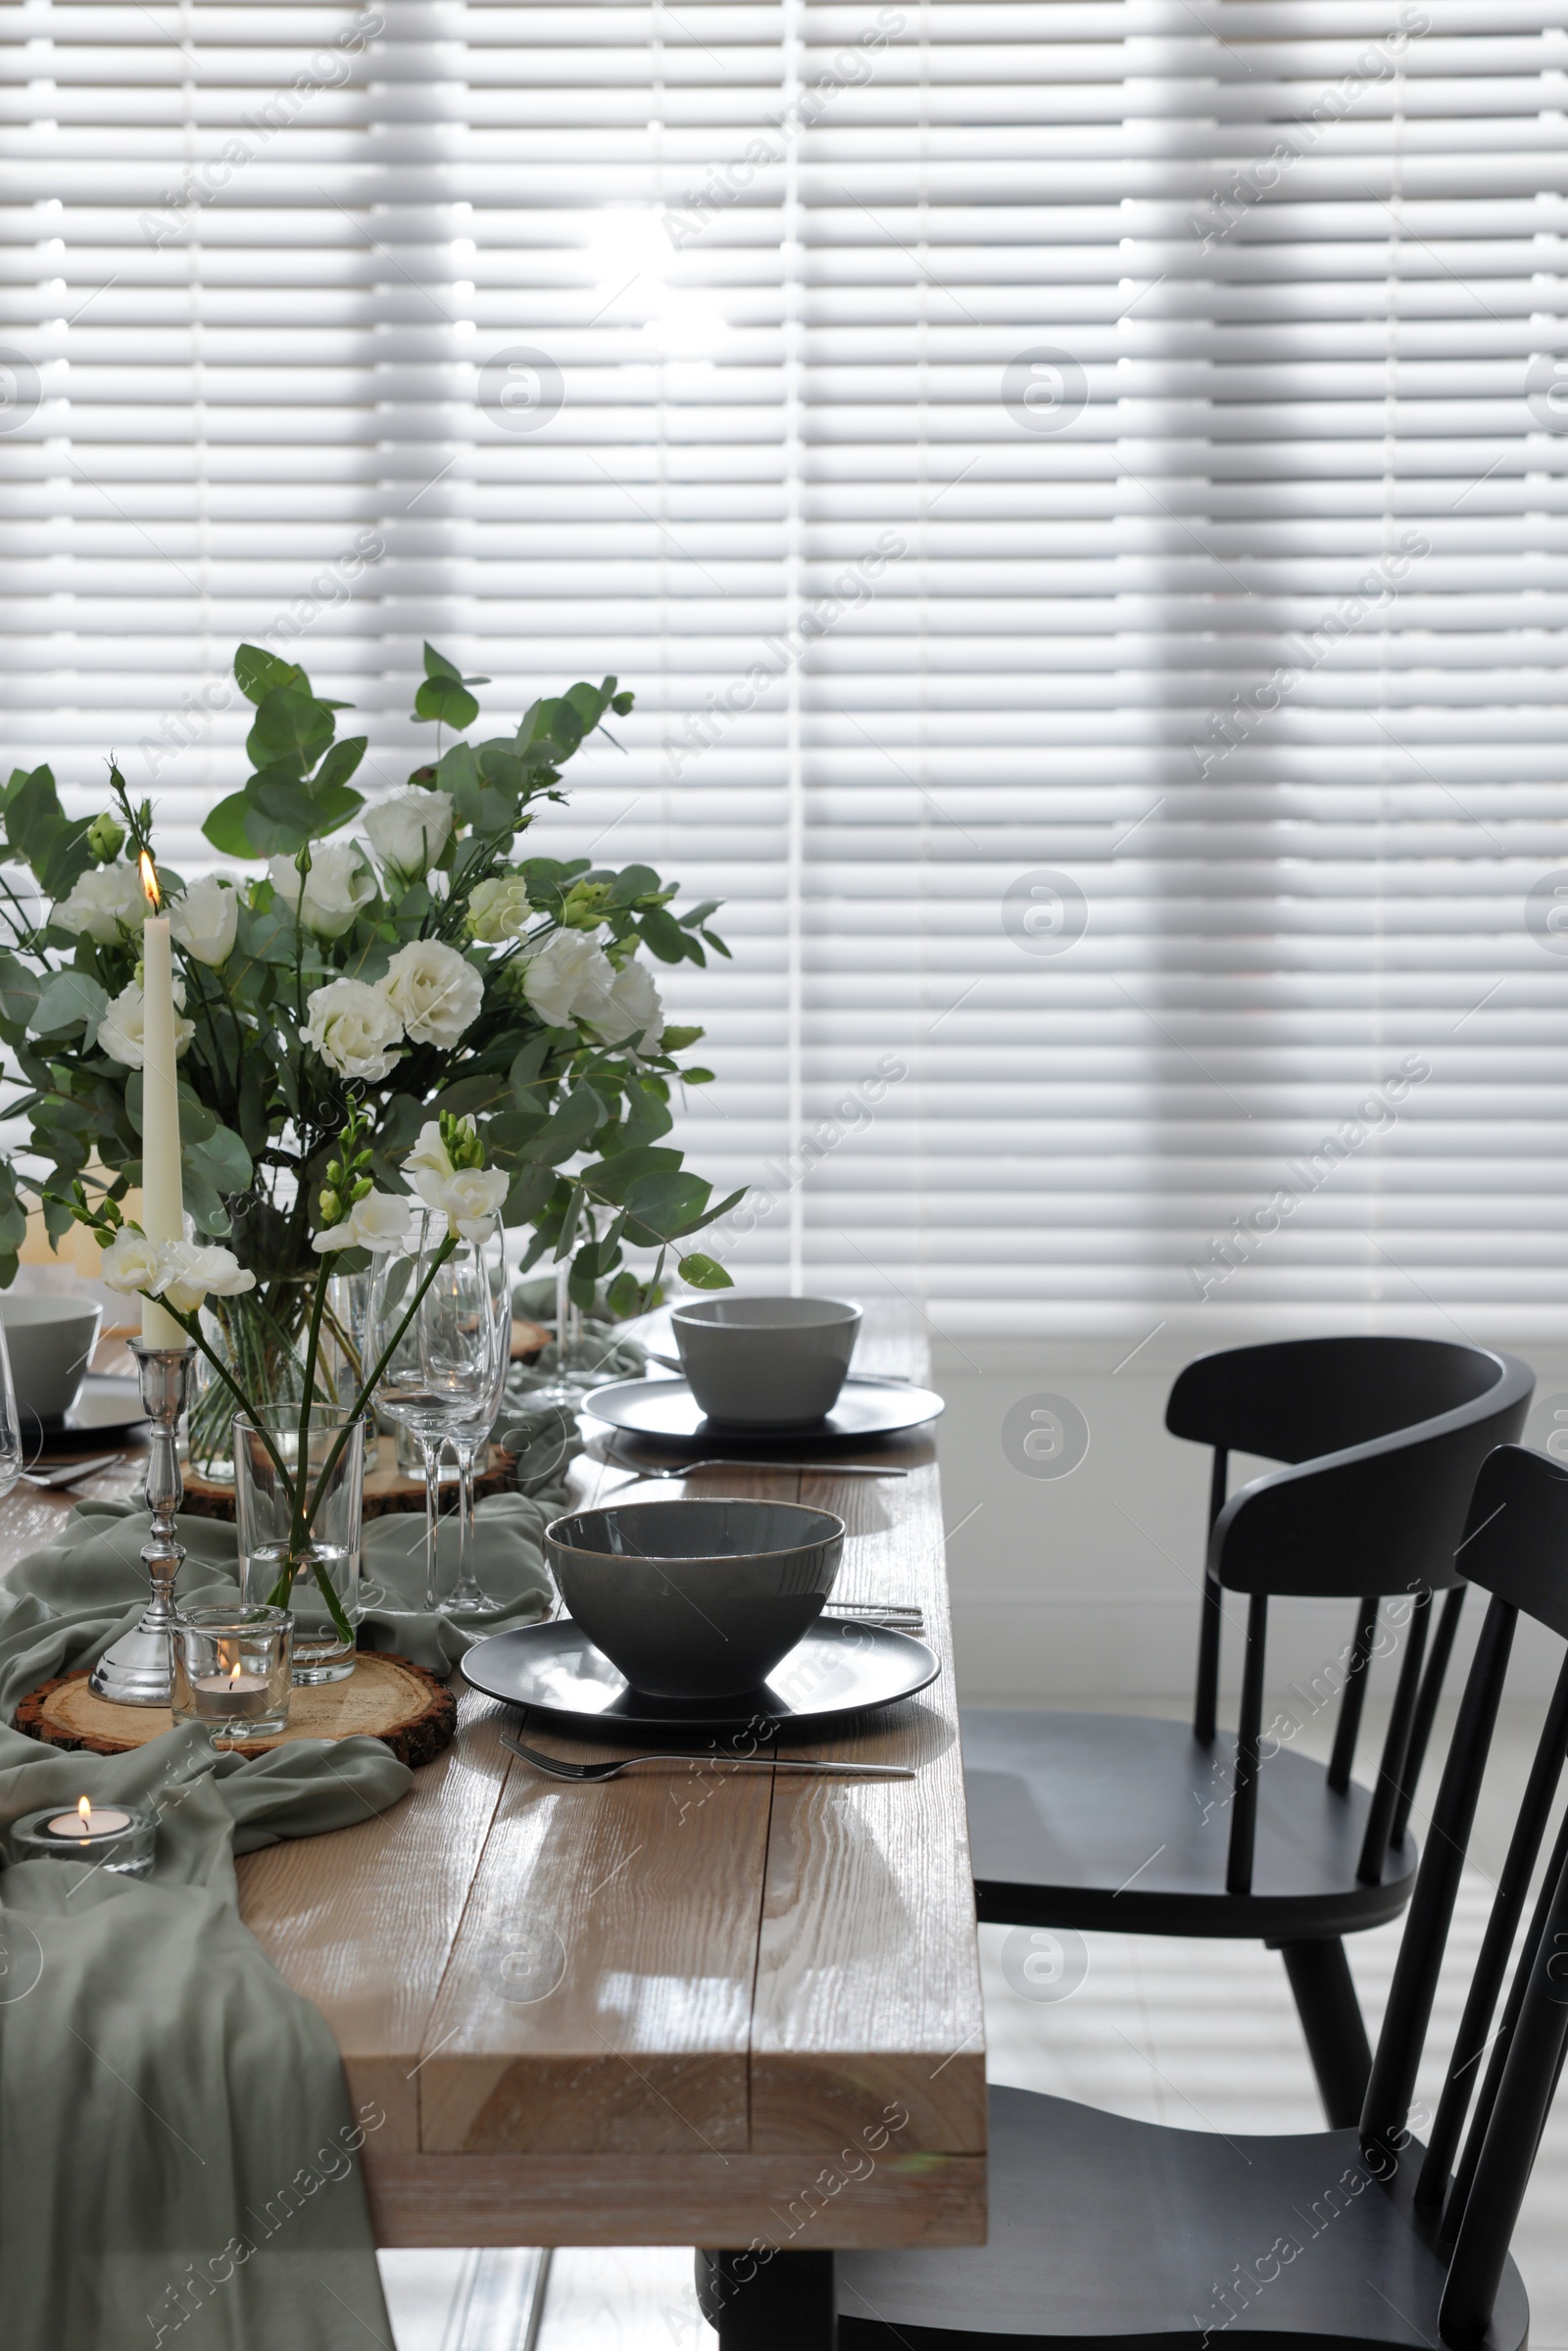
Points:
(234, 1670)
(118, 1838)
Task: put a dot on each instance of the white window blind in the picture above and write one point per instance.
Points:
(1078, 492)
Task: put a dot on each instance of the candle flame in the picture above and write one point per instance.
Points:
(234, 1671)
(149, 879)
(84, 1807)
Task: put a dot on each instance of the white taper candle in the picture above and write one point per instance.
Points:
(163, 1200)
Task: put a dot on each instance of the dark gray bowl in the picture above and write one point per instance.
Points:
(696, 1600)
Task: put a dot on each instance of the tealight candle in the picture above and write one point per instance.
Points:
(232, 1671)
(85, 1823)
(116, 1837)
(235, 1693)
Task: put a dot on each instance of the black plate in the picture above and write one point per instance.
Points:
(106, 1408)
(839, 1669)
(668, 1409)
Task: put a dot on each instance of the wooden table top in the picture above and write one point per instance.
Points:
(766, 2024)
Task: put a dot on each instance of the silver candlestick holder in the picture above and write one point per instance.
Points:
(138, 1669)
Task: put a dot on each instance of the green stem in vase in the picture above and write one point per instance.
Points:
(369, 1384)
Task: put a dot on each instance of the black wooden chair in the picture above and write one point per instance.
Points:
(1107, 2231)
(1109, 1821)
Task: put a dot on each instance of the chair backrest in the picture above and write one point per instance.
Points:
(1385, 1438)
(1516, 1548)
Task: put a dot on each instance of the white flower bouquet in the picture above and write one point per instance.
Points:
(422, 974)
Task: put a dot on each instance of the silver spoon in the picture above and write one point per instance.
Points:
(590, 1772)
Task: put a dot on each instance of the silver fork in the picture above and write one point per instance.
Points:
(586, 1773)
(72, 1474)
(825, 1469)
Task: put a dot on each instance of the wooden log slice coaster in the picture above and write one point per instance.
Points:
(385, 1488)
(388, 1698)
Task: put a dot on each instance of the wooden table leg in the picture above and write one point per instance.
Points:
(755, 2304)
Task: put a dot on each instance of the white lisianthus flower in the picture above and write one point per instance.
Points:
(633, 1004)
(435, 993)
(499, 908)
(203, 922)
(130, 1262)
(106, 903)
(470, 1197)
(378, 1222)
(353, 1028)
(410, 830)
(122, 1030)
(329, 895)
(569, 979)
(188, 1272)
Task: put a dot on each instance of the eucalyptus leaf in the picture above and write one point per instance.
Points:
(71, 999)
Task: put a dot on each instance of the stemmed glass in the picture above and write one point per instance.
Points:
(9, 1424)
(492, 1295)
(441, 1374)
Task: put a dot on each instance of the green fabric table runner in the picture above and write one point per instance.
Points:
(177, 2142)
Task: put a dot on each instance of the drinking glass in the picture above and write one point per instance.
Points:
(275, 1566)
(581, 1363)
(492, 1296)
(438, 1320)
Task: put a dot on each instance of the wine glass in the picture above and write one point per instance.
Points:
(492, 1299)
(9, 1424)
(433, 1321)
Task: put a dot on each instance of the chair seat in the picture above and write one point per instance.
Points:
(1123, 1821)
(1115, 2232)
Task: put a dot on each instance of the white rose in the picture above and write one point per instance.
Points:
(188, 1271)
(205, 920)
(410, 830)
(499, 908)
(338, 884)
(130, 1262)
(353, 1028)
(105, 903)
(435, 993)
(569, 979)
(122, 1030)
(470, 1197)
(378, 1222)
(633, 1004)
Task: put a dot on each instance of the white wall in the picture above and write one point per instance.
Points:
(1084, 1586)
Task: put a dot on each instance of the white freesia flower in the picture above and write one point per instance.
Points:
(130, 1262)
(569, 979)
(188, 1272)
(353, 1028)
(106, 903)
(435, 993)
(633, 1004)
(205, 920)
(330, 895)
(470, 1197)
(378, 1222)
(499, 908)
(410, 830)
(429, 1163)
(122, 1030)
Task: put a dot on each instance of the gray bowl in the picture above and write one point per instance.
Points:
(766, 1362)
(696, 1600)
(50, 1343)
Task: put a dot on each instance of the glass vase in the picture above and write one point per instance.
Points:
(261, 1336)
(286, 1564)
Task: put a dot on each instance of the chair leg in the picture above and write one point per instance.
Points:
(760, 2302)
(1331, 2019)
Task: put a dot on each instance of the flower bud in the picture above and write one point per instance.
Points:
(106, 838)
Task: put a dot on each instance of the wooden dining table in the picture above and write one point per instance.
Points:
(737, 2009)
